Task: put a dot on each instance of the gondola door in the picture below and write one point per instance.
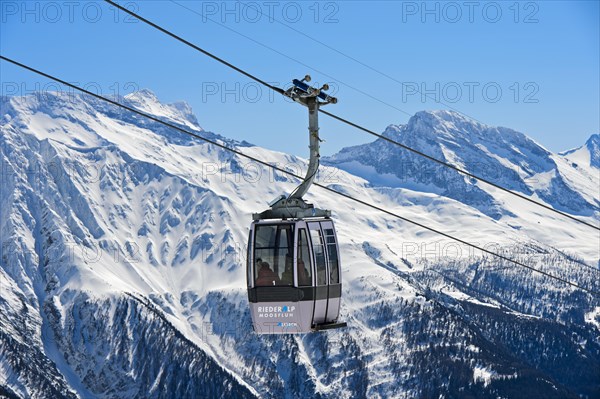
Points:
(334, 293)
(320, 272)
(304, 274)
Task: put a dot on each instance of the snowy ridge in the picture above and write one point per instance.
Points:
(499, 154)
(126, 240)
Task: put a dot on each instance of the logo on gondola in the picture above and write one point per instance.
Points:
(276, 311)
(286, 324)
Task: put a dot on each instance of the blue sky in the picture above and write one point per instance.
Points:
(530, 66)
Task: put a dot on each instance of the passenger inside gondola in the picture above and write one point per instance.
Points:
(266, 276)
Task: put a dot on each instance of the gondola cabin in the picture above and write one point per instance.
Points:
(294, 271)
(294, 276)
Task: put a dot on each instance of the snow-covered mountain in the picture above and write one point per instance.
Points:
(123, 247)
(587, 155)
(499, 154)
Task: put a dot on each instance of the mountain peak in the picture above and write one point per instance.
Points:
(442, 123)
(442, 119)
(142, 95)
(589, 153)
(441, 116)
(146, 101)
(593, 141)
(593, 146)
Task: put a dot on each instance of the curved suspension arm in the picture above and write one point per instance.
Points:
(313, 164)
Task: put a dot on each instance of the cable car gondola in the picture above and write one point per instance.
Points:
(294, 272)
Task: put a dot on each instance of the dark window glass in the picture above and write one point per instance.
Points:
(319, 250)
(332, 252)
(334, 274)
(273, 250)
(304, 261)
